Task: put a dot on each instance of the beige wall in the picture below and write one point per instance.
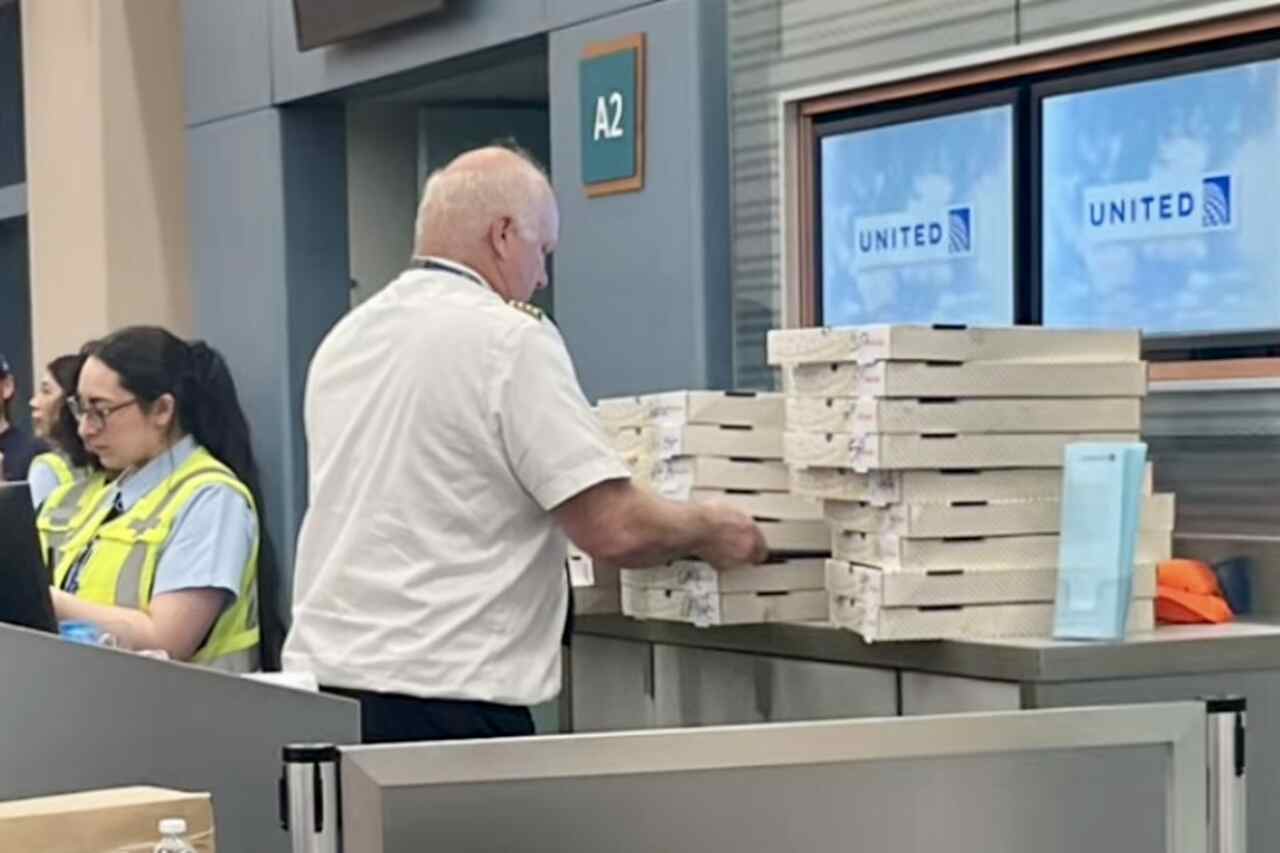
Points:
(106, 168)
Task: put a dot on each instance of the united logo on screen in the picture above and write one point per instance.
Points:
(1217, 201)
(961, 234)
(914, 237)
(1156, 209)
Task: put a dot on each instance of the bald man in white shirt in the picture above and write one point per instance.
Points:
(451, 452)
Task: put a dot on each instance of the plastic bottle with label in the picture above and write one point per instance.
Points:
(174, 840)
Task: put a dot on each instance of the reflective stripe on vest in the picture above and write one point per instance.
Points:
(61, 469)
(120, 567)
(65, 511)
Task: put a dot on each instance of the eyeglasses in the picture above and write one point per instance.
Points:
(95, 415)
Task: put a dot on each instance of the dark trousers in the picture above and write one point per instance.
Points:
(394, 718)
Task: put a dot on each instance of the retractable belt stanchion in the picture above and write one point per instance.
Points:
(1227, 788)
(310, 808)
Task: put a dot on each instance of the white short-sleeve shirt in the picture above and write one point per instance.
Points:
(443, 426)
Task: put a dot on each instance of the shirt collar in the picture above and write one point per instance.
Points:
(460, 269)
(133, 487)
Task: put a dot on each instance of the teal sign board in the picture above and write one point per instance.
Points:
(611, 89)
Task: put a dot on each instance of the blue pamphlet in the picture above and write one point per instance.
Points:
(1102, 492)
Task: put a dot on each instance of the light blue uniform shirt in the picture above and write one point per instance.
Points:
(42, 480)
(212, 536)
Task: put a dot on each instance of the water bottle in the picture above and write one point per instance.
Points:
(174, 829)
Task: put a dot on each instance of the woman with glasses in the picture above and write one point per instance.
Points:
(174, 555)
(68, 462)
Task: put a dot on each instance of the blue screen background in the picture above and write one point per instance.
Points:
(1207, 122)
(963, 159)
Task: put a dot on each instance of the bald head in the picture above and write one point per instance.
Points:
(460, 201)
(491, 209)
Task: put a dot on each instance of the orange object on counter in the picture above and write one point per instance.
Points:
(1187, 592)
(1179, 607)
(1188, 575)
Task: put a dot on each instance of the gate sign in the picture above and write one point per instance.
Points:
(611, 114)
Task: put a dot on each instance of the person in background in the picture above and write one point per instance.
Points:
(173, 556)
(68, 462)
(78, 479)
(17, 447)
(450, 453)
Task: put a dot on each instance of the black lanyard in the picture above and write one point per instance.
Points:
(429, 264)
(71, 583)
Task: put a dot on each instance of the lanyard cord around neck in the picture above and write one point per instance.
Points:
(429, 264)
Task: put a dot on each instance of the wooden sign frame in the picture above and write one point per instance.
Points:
(635, 42)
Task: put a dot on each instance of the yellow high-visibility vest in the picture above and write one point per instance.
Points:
(120, 569)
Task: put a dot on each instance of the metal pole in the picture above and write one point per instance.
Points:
(1228, 829)
(310, 803)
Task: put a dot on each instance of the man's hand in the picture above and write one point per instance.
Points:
(620, 524)
(734, 540)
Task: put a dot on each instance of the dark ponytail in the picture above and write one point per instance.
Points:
(65, 430)
(152, 362)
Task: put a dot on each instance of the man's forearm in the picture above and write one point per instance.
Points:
(651, 530)
(623, 525)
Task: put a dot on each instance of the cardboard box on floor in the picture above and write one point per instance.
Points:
(105, 821)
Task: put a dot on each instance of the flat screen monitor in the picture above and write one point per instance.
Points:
(916, 220)
(24, 579)
(1161, 199)
(321, 22)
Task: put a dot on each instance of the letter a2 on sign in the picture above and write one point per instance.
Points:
(606, 127)
(611, 79)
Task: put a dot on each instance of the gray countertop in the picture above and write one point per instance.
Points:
(1170, 650)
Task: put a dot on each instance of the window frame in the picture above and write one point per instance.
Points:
(1194, 45)
(952, 104)
(1164, 345)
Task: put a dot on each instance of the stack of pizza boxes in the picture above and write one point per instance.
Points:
(937, 454)
(722, 447)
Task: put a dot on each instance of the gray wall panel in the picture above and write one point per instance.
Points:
(317, 279)
(461, 29)
(236, 197)
(1049, 17)
(228, 57)
(270, 276)
(711, 199)
(562, 13)
(638, 292)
